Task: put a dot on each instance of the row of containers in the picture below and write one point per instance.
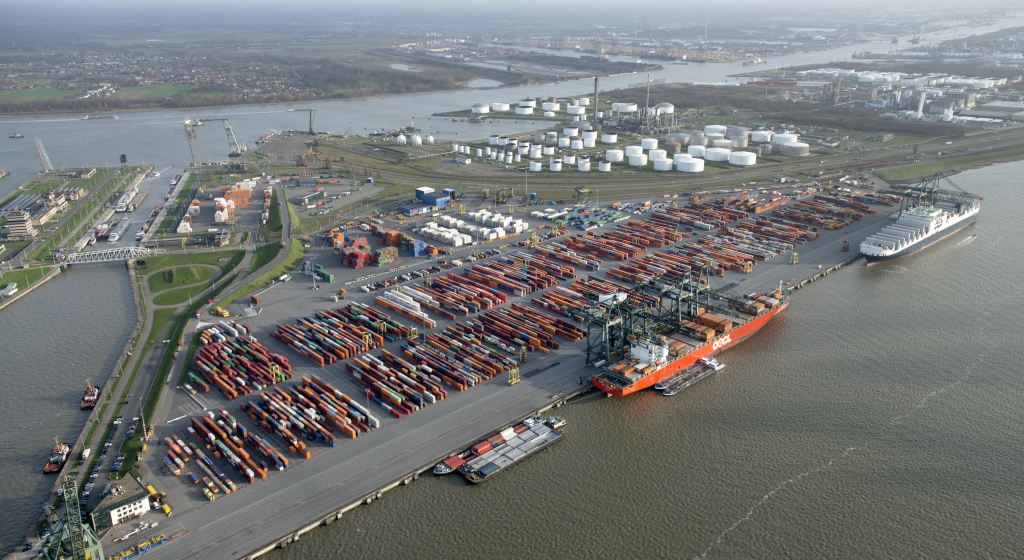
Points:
(235, 364)
(585, 216)
(265, 215)
(356, 251)
(342, 333)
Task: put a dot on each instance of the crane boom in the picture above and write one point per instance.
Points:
(47, 166)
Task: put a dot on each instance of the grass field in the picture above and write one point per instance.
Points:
(38, 94)
(157, 263)
(949, 164)
(292, 261)
(179, 276)
(25, 277)
(264, 255)
(181, 295)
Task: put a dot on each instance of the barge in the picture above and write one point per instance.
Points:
(499, 452)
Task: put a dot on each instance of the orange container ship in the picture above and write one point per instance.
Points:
(654, 357)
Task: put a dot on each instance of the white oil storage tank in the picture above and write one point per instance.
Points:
(783, 139)
(638, 160)
(633, 150)
(680, 157)
(589, 135)
(570, 131)
(727, 144)
(524, 110)
(695, 151)
(550, 106)
(536, 166)
(663, 164)
(535, 152)
(563, 142)
(583, 101)
(697, 141)
(649, 143)
(524, 149)
(795, 149)
(715, 129)
(693, 165)
(656, 154)
(493, 139)
(609, 138)
(589, 142)
(761, 136)
(555, 165)
(605, 166)
(583, 164)
(527, 103)
(717, 154)
(549, 150)
(742, 158)
(738, 141)
(480, 108)
(712, 136)
(613, 155)
(548, 113)
(499, 106)
(576, 144)
(569, 159)
(665, 108)
(575, 110)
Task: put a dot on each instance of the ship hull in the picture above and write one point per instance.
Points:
(919, 246)
(721, 342)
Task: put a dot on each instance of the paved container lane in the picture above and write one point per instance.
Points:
(302, 495)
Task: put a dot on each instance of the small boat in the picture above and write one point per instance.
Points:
(17, 135)
(92, 392)
(58, 457)
(449, 465)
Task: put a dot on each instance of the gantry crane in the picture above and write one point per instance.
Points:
(190, 134)
(47, 166)
(312, 115)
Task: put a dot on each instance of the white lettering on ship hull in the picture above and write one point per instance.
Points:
(721, 342)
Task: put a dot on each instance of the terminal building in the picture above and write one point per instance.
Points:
(19, 224)
(126, 501)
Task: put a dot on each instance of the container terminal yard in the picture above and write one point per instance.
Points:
(330, 473)
(333, 366)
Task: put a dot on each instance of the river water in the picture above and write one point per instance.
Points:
(879, 417)
(704, 455)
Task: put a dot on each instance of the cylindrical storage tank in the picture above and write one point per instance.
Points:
(665, 108)
(455, 147)
(487, 151)
(518, 157)
(692, 165)
(714, 136)
(761, 136)
(613, 155)
(494, 155)
(536, 166)
(736, 131)
(535, 153)
(499, 106)
(570, 131)
(680, 157)
(795, 149)
(699, 141)
(551, 137)
(401, 140)
(527, 103)
(782, 139)
(480, 108)
(604, 166)
(416, 140)
(576, 144)
(465, 150)
(638, 160)
(649, 143)
(524, 150)
(550, 106)
(767, 148)
(524, 110)
(717, 154)
(738, 141)
(589, 135)
(695, 151)
(727, 144)
(629, 108)
(656, 154)
(600, 114)
(575, 110)
(555, 165)
(589, 142)
(549, 150)
(569, 159)
(563, 142)
(663, 164)
(633, 150)
(548, 113)
(672, 148)
(493, 140)
(533, 196)
(715, 129)
(583, 165)
(480, 152)
(538, 137)
(502, 141)
(756, 150)
(512, 143)
(677, 137)
(609, 138)
(583, 101)
(742, 158)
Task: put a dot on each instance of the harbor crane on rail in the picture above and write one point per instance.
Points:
(70, 538)
(312, 115)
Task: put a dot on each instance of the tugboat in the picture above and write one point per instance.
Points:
(58, 457)
(92, 395)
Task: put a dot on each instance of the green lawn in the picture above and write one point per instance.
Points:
(164, 261)
(38, 94)
(264, 255)
(295, 256)
(179, 276)
(24, 277)
(181, 295)
(953, 163)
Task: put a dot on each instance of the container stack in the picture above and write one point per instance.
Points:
(418, 248)
(354, 253)
(565, 254)
(385, 256)
(236, 365)
(518, 326)
(331, 335)
(406, 306)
